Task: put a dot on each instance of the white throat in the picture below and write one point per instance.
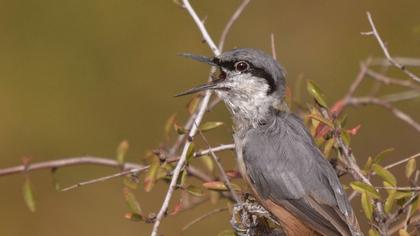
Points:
(248, 102)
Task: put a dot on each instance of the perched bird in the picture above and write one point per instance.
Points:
(277, 157)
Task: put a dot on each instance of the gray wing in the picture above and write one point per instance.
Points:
(285, 166)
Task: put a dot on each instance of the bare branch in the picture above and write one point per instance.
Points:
(387, 80)
(376, 101)
(86, 160)
(105, 178)
(394, 62)
(273, 46)
(225, 179)
(402, 161)
(201, 110)
(201, 27)
(222, 147)
(232, 20)
(406, 61)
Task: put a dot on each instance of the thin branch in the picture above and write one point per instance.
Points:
(387, 80)
(402, 161)
(201, 110)
(91, 160)
(394, 62)
(402, 96)
(86, 160)
(364, 66)
(406, 61)
(225, 179)
(201, 27)
(201, 218)
(105, 178)
(232, 20)
(376, 101)
(273, 46)
(219, 148)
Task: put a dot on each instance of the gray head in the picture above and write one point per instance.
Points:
(250, 83)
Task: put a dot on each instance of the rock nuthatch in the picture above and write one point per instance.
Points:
(277, 157)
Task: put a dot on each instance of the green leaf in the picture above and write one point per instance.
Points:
(389, 188)
(389, 202)
(378, 158)
(28, 195)
(133, 216)
(368, 164)
(150, 179)
(195, 191)
(385, 174)
(345, 136)
(316, 93)
(192, 104)
(362, 187)
(400, 195)
(373, 232)
(122, 151)
(215, 185)
(131, 181)
(182, 179)
(328, 146)
(210, 125)
(366, 205)
(410, 167)
(179, 129)
(190, 152)
(208, 162)
(131, 201)
(169, 123)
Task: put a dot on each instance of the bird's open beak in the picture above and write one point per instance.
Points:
(203, 87)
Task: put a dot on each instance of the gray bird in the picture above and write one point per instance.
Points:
(277, 157)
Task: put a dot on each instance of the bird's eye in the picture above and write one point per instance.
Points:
(241, 66)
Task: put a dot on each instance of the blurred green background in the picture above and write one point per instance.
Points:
(77, 77)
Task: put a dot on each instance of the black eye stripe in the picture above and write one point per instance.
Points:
(255, 71)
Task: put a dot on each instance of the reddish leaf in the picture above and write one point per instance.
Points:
(337, 108)
(355, 130)
(233, 174)
(177, 208)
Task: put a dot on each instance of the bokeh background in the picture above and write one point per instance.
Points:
(77, 77)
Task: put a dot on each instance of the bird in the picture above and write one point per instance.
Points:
(276, 155)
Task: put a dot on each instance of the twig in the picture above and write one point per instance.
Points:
(232, 20)
(208, 214)
(273, 46)
(364, 66)
(86, 160)
(90, 160)
(219, 148)
(123, 173)
(225, 179)
(402, 161)
(402, 96)
(387, 80)
(201, 27)
(394, 62)
(406, 61)
(201, 110)
(376, 101)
